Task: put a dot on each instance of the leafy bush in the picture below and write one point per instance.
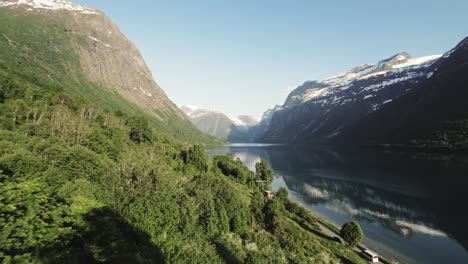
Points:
(257, 205)
(264, 172)
(233, 168)
(352, 233)
(282, 194)
(139, 130)
(196, 156)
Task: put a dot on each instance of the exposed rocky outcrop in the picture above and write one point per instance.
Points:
(109, 58)
(106, 55)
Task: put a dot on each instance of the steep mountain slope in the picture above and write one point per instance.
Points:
(83, 51)
(432, 115)
(320, 111)
(88, 177)
(79, 184)
(259, 130)
(219, 125)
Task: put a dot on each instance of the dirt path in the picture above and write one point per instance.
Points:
(327, 231)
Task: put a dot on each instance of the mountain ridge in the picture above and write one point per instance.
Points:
(218, 124)
(431, 116)
(319, 111)
(74, 45)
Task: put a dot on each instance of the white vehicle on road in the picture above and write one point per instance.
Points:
(371, 255)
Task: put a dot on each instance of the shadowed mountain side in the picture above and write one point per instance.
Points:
(400, 101)
(238, 136)
(432, 115)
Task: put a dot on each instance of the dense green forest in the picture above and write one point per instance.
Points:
(87, 177)
(81, 184)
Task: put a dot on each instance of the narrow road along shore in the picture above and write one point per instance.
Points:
(359, 249)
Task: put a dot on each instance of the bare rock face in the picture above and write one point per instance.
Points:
(109, 58)
(106, 55)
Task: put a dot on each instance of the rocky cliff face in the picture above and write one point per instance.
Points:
(109, 58)
(106, 55)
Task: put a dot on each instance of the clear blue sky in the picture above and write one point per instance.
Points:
(243, 56)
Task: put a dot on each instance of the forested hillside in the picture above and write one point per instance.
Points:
(40, 49)
(82, 184)
(88, 177)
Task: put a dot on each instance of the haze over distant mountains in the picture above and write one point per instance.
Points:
(217, 124)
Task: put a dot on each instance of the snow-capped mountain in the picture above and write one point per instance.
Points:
(234, 129)
(245, 121)
(434, 114)
(322, 110)
(53, 5)
(195, 111)
(398, 68)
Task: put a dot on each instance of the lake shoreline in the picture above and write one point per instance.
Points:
(323, 222)
(402, 200)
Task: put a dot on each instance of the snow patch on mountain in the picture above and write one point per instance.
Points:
(195, 111)
(367, 76)
(399, 64)
(49, 5)
(385, 83)
(448, 53)
(100, 42)
(313, 93)
(239, 121)
(417, 61)
(244, 120)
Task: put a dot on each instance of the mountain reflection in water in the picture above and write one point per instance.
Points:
(410, 205)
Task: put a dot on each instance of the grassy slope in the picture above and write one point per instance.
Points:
(82, 181)
(38, 50)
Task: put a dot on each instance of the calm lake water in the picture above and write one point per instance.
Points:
(411, 206)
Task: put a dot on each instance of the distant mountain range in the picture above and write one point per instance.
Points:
(217, 124)
(401, 100)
